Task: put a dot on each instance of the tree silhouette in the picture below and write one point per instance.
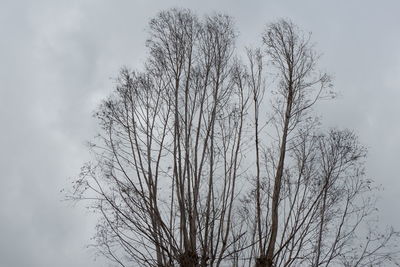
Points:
(198, 164)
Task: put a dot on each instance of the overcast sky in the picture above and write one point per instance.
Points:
(57, 61)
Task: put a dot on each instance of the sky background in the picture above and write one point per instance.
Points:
(57, 61)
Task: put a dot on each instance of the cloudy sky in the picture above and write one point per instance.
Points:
(57, 61)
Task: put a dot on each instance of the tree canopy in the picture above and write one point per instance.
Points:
(212, 155)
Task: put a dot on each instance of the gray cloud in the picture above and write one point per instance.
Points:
(57, 61)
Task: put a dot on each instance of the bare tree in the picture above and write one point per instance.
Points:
(168, 161)
(176, 180)
(313, 197)
(295, 61)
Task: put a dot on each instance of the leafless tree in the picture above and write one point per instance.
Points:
(168, 161)
(188, 172)
(313, 198)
